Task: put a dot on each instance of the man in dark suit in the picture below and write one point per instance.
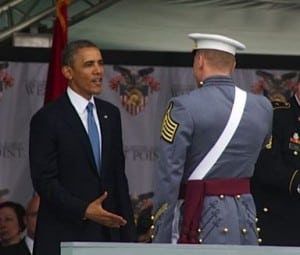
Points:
(80, 200)
(276, 181)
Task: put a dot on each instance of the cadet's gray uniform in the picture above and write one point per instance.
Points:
(191, 126)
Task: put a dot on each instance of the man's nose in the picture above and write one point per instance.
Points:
(98, 69)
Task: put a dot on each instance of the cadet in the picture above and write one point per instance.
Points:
(276, 181)
(210, 141)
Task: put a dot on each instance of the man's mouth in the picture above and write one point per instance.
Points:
(97, 81)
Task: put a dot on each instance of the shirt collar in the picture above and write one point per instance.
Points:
(29, 243)
(78, 101)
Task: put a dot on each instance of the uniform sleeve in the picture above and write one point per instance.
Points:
(176, 137)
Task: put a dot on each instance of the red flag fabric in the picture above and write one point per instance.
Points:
(56, 82)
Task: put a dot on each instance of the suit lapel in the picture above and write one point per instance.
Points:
(75, 126)
(104, 118)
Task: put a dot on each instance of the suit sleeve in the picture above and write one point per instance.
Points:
(43, 156)
(123, 202)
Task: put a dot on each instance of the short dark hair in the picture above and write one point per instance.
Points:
(71, 49)
(19, 211)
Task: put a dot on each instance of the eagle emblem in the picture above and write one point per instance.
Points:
(278, 88)
(134, 87)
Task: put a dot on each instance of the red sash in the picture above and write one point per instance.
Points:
(193, 194)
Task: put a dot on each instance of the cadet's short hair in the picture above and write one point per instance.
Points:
(71, 49)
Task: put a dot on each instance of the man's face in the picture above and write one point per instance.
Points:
(85, 73)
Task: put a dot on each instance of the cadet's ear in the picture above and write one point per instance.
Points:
(67, 72)
(233, 66)
(201, 60)
(198, 59)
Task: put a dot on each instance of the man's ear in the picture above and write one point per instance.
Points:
(233, 66)
(199, 59)
(67, 72)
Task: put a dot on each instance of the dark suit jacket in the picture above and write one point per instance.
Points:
(63, 172)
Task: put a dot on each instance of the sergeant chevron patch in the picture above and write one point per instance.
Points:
(169, 126)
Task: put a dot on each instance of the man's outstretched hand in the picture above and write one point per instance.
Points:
(97, 213)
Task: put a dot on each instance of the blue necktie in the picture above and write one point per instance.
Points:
(93, 134)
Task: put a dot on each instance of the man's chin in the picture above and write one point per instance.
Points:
(97, 91)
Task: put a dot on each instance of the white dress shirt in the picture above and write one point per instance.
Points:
(80, 104)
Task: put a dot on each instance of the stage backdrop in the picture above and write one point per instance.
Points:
(140, 92)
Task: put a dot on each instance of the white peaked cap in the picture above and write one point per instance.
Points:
(216, 42)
